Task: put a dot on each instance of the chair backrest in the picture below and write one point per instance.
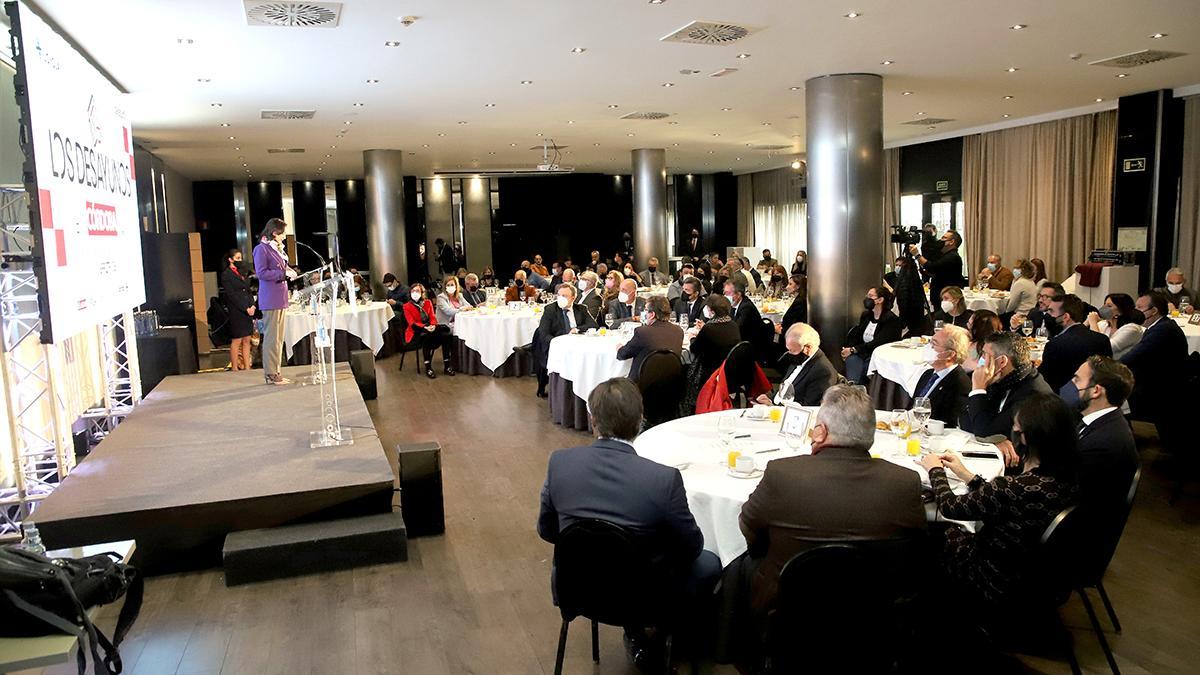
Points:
(739, 368)
(763, 338)
(602, 572)
(1107, 527)
(1058, 568)
(660, 379)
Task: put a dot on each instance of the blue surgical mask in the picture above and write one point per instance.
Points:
(992, 266)
(982, 361)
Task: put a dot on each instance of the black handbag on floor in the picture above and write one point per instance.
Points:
(44, 596)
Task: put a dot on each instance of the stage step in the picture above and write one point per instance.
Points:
(308, 548)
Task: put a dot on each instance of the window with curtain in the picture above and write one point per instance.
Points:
(780, 213)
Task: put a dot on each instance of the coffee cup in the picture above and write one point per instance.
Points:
(760, 411)
(744, 464)
(935, 427)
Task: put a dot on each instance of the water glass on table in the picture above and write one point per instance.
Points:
(726, 427)
(937, 325)
(1027, 328)
(921, 410)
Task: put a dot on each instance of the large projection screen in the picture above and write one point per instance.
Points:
(78, 146)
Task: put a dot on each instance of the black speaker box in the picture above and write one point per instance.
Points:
(420, 469)
(362, 364)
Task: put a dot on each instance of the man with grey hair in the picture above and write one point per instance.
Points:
(945, 384)
(651, 276)
(658, 333)
(838, 492)
(589, 297)
(1176, 290)
(1004, 378)
(809, 373)
(472, 293)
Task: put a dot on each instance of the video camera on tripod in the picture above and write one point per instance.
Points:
(908, 236)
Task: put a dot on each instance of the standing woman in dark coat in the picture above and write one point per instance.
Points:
(235, 292)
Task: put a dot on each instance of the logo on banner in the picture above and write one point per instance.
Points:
(101, 220)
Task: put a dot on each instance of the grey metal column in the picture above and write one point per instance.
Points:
(385, 216)
(844, 124)
(650, 206)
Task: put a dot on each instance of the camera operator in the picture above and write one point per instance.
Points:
(946, 269)
(931, 245)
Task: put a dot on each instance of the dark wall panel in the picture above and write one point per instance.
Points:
(724, 212)
(308, 210)
(689, 209)
(213, 205)
(352, 224)
(924, 164)
(264, 202)
(414, 234)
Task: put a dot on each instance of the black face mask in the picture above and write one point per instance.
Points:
(868, 304)
(1015, 439)
(519, 283)
(652, 268)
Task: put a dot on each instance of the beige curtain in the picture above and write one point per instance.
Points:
(745, 210)
(891, 198)
(1189, 196)
(780, 215)
(1040, 191)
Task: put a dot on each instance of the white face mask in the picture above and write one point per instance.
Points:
(707, 313)
(564, 302)
(583, 284)
(416, 296)
(623, 297)
(451, 289)
(929, 354)
(1175, 288)
(947, 306)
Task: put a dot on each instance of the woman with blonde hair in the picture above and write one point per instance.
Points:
(612, 286)
(450, 301)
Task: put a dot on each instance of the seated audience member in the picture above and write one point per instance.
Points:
(704, 274)
(1107, 454)
(1176, 290)
(520, 290)
(602, 270)
(567, 277)
(997, 276)
(607, 480)
(716, 335)
(755, 278)
(953, 309)
(1038, 315)
(594, 262)
(946, 384)
(1158, 362)
(627, 306)
(589, 296)
(690, 305)
(657, 333)
(1119, 321)
(797, 288)
(981, 324)
(652, 276)
(1022, 294)
(744, 312)
(808, 372)
(767, 261)
(472, 293)
(450, 301)
(1004, 378)
(1072, 346)
(889, 279)
(837, 493)
(618, 262)
(537, 265)
(777, 282)
(423, 329)
(556, 271)
(992, 566)
(877, 326)
(1039, 271)
(612, 286)
(631, 275)
(562, 318)
(734, 270)
(801, 264)
(488, 279)
(397, 294)
(676, 287)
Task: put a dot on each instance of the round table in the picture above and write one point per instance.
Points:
(715, 498)
(1191, 332)
(993, 300)
(576, 364)
(367, 322)
(488, 336)
(773, 308)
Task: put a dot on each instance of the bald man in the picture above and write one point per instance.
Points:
(627, 306)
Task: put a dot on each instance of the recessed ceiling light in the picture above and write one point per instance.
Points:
(233, 138)
(391, 43)
(1099, 100)
(512, 145)
(424, 145)
(766, 124)
(329, 155)
(224, 124)
(716, 135)
(333, 147)
(348, 123)
(675, 145)
(185, 41)
(1158, 36)
(672, 122)
(372, 81)
(1122, 75)
(1006, 115)
(570, 121)
(743, 56)
(668, 84)
(440, 134)
(726, 109)
(906, 93)
(629, 134)
(241, 157)
(538, 134)
(526, 81)
(215, 105)
(852, 15)
(796, 88)
(613, 105)
(236, 148)
(1008, 98)
(462, 121)
(1013, 69)
(657, 2)
(1018, 26)
(203, 80)
(579, 50)
(596, 145)
(737, 159)
(245, 164)
(886, 62)
(359, 105)
(795, 164)
(491, 152)
(710, 152)
(489, 105)
(921, 112)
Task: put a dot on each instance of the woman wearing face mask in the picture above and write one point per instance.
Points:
(797, 288)
(630, 273)
(715, 335)
(778, 282)
(981, 324)
(801, 264)
(239, 300)
(270, 266)
(953, 309)
(1022, 295)
(488, 278)
(612, 286)
(423, 329)
(450, 301)
(1120, 321)
(993, 566)
(877, 326)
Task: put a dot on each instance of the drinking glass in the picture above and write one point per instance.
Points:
(899, 423)
(921, 410)
(937, 325)
(726, 425)
(1027, 328)
(1185, 303)
(1043, 333)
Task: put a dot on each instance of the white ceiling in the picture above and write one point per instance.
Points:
(462, 55)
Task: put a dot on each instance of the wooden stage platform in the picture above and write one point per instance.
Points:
(205, 455)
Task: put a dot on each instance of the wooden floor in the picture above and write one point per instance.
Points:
(477, 600)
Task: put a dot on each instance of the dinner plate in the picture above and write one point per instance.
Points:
(757, 473)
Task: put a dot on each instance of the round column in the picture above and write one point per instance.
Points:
(650, 206)
(384, 199)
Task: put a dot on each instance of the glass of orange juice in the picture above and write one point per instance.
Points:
(913, 447)
(733, 457)
(775, 413)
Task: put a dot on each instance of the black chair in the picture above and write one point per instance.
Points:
(764, 343)
(1059, 553)
(406, 347)
(660, 379)
(602, 574)
(739, 372)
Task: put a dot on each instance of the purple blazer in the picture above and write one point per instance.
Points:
(271, 270)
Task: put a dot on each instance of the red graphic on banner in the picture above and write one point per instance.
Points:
(60, 247)
(45, 211)
(101, 220)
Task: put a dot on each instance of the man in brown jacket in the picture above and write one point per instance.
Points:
(997, 276)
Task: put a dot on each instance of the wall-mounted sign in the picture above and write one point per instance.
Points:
(1134, 165)
(1132, 238)
(942, 186)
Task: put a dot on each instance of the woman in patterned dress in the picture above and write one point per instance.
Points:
(1015, 510)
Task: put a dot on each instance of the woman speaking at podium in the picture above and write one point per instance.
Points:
(270, 264)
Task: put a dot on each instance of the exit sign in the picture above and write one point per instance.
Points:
(1134, 165)
(942, 186)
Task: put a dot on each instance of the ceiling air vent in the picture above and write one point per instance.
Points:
(723, 72)
(293, 14)
(1135, 59)
(288, 114)
(928, 121)
(771, 148)
(708, 33)
(645, 116)
(276, 151)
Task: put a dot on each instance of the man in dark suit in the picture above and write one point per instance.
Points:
(607, 480)
(589, 297)
(1107, 453)
(627, 306)
(691, 246)
(690, 305)
(838, 492)
(1040, 315)
(745, 313)
(946, 384)
(946, 270)
(809, 373)
(1073, 345)
(472, 293)
(1158, 363)
(562, 318)
(657, 333)
(1003, 379)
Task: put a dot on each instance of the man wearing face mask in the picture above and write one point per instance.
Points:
(563, 318)
(556, 273)
(652, 277)
(1073, 345)
(589, 296)
(676, 287)
(945, 383)
(691, 246)
(946, 269)
(1040, 315)
(1107, 453)
(690, 305)
(1176, 290)
(1004, 378)
(656, 334)
(472, 293)
(627, 306)
(1158, 362)
(270, 265)
(998, 276)
(520, 290)
(767, 261)
(808, 373)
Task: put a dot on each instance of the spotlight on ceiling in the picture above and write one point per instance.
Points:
(796, 164)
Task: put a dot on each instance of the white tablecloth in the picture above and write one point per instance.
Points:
(494, 332)
(715, 498)
(903, 362)
(366, 322)
(1191, 332)
(976, 300)
(773, 309)
(587, 360)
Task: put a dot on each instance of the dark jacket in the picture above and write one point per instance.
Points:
(948, 397)
(659, 335)
(816, 375)
(1066, 351)
(943, 272)
(1108, 459)
(594, 304)
(887, 330)
(960, 320)
(609, 481)
(797, 311)
(712, 344)
(476, 297)
(1039, 318)
(689, 315)
(554, 324)
(992, 412)
(621, 312)
(1158, 365)
(838, 493)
